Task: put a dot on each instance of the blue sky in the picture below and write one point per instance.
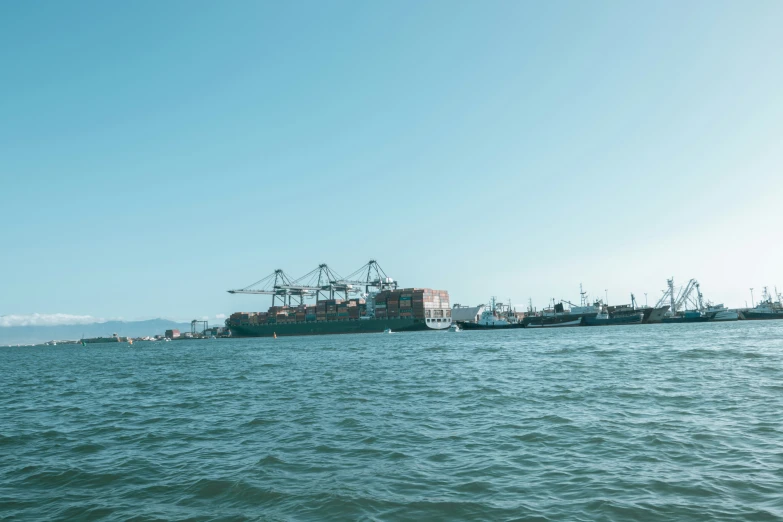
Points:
(155, 154)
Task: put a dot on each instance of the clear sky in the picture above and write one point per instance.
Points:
(155, 154)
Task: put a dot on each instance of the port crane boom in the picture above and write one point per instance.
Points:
(322, 283)
(275, 285)
(374, 277)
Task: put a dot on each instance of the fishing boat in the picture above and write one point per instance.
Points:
(689, 316)
(454, 328)
(649, 314)
(496, 316)
(722, 313)
(560, 324)
(604, 319)
(766, 309)
(558, 315)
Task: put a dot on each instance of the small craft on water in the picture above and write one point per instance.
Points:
(388, 330)
(454, 328)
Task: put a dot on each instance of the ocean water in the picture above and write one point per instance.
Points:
(654, 422)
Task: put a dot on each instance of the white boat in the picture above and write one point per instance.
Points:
(722, 313)
(387, 331)
(490, 318)
(496, 315)
(454, 328)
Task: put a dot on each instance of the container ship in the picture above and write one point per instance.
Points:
(380, 307)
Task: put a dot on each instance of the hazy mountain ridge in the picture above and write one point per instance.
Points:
(13, 335)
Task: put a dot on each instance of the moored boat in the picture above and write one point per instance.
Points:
(494, 317)
(559, 324)
(766, 309)
(689, 316)
(558, 315)
(657, 314)
(604, 319)
(722, 313)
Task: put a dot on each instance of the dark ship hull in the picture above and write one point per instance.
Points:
(613, 321)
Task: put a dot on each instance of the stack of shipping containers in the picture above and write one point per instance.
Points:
(417, 303)
(380, 305)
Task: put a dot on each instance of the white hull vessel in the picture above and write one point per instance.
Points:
(722, 313)
(726, 315)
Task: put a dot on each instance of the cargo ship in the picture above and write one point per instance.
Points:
(405, 310)
(380, 307)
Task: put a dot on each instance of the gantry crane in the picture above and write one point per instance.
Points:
(321, 283)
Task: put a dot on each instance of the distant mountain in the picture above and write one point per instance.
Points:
(13, 335)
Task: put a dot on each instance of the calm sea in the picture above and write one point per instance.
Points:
(655, 422)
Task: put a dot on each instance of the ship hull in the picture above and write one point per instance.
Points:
(686, 319)
(726, 315)
(101, 340)
(758, 316)
(613, 321)
(560, 320)
(657, 314)
(475, 326)
(334, 327)
(561, 324)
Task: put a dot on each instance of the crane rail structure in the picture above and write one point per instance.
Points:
(321, 283)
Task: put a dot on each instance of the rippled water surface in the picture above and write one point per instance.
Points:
(655, 422)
